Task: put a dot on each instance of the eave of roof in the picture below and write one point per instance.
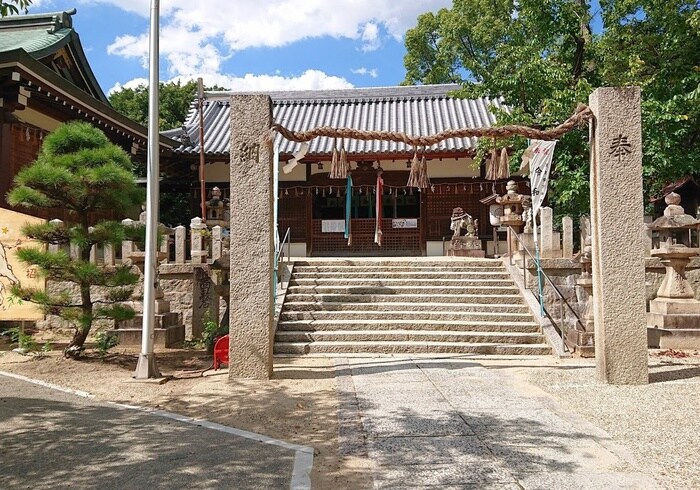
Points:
(39, 77)
(415, 110)
(43, 35)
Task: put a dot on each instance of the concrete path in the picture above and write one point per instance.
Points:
(53, 439)
(456, 424)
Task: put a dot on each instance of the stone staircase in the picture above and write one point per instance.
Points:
(405, 306)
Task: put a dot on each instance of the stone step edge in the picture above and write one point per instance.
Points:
(446, 333)
(404, 312)
(408, 295)
(409, 343)
(483, 323)
(397, 303)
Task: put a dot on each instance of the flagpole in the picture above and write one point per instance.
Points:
(146, 367)
(537, 263)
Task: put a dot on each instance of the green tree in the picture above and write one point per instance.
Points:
(81, 171)
(13, 7)
(543, 59)
(175, 102)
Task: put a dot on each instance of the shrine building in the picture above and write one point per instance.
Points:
(313, 206)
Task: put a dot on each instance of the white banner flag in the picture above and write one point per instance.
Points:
(540, 164)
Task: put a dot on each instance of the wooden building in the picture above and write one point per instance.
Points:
(45, 80)
(312, 205)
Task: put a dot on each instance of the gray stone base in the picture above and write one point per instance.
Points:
(163, 337)
(581, 343)
(168, 332)
(677, 338)
(464, 252)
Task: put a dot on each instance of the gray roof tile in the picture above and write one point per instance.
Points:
(415, 110)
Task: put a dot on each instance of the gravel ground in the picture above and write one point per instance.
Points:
(658, 422)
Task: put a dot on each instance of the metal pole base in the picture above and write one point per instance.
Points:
(146, 368)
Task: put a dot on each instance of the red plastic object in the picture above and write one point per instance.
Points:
(221, 352)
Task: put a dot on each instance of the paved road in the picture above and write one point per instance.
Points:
(453, 424)
(51, 439)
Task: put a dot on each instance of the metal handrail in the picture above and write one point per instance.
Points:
(278, 253)
(562, 300)
(287, 239)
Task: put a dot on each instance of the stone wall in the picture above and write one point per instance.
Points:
(565, 272)
(176, 280)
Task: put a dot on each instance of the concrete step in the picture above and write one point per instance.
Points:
(410, 262)
(393, 281)
(404, 275)
(405, 315)
(431, 290)
(390, 324)
(410, 335)
(503, 299)
(408, 347)
(396, 268)
(407, 306)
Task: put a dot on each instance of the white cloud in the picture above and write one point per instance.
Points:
(206, 32)
(309, 80)
(370, 37)
(366, 71)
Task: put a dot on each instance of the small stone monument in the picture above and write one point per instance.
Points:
(468, 245)
(513, 204)
(673, 320)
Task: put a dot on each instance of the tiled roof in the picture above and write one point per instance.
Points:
(42, 36)
(38, 35)
(415, 110)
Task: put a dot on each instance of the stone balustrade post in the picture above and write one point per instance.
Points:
(567, 225)
(93, 248)
(197, 231)
(216, 242)
(546, 232)
(127, 245)
(108, 254)
(55, 247)
(165, 244)
(180, 237)
(647, 236)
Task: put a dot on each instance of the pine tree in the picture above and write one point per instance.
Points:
(80, 170)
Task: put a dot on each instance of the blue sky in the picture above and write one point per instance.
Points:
(248, 45)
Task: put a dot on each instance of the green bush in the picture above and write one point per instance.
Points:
(105, 341)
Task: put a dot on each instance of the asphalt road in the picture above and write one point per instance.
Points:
(52, 439)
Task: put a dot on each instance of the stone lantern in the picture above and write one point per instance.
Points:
(217, 209)
(513, 204)
(673, 320)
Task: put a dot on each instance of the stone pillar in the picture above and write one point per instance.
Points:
(216, 242)
(165, 244)
(127, 245)
(252, 238)
(567, 228)
(617, 212)
(546, 232)
(108, 254)
(205, 301)
(647, 236)
(93, 248)
(54, 247)
(197, 248)
(180, 237)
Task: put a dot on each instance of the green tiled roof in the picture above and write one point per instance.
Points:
(37, 41)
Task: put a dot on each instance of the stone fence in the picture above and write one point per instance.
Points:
(186, 275)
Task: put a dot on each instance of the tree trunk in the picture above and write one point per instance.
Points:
(81, 332)
(76, 344)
